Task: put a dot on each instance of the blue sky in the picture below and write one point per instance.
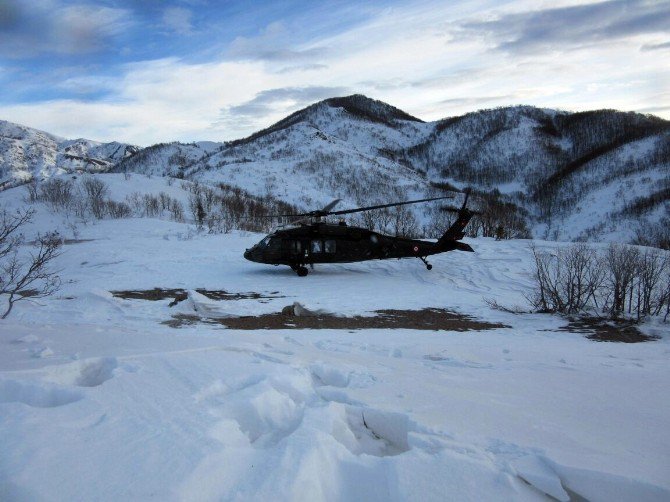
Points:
(149, 71)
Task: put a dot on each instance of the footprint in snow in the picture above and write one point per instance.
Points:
(263, 409)
(369, 431)
(441, 361)
(84, 373)
(36, 395)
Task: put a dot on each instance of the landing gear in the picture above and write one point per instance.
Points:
(301, 270)
(428, 265)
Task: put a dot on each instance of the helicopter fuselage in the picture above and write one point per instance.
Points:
(335, 243)
(320, 242)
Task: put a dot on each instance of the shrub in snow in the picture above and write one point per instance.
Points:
(622, 281)
(117, 209)
(566, 281)
(57, 193)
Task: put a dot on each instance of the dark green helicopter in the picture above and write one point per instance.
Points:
(311, 240)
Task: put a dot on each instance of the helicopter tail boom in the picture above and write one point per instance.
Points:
(456, 245)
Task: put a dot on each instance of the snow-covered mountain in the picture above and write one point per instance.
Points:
(594, 175)
(27, 153)
(338, 148)
(581, 175)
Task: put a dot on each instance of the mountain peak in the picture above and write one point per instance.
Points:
(356, 105)
(366, 108)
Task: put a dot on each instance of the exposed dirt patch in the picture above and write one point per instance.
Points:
(426, 319)
(179, 295)
(151, 294)
(68, 242)
(602, 330)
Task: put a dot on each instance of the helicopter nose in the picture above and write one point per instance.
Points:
(249, 255)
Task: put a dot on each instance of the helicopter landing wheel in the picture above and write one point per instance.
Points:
(302, 271)
(428, 265)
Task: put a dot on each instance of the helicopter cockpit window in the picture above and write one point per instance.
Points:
(317, 247)
(264, 242)
(329, 246)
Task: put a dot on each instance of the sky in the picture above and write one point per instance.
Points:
(150, 71)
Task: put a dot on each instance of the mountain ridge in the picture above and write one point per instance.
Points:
(567, 172)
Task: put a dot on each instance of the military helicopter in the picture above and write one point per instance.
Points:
(311, 240)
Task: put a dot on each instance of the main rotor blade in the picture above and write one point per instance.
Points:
(381, 206)
(326, 212)
(318, 212)
(330, 206)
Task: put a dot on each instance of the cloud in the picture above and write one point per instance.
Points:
(474, 101)
(273, 44)
(179, 20)
(656, 110)
(280, 101)
(386, 84)
(415, 56)
(655, 47)
(573, 26)
(301, 68)
(51, 27)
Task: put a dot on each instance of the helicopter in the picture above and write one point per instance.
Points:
(311, 240)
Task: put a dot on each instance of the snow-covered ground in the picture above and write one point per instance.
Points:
(101, 401)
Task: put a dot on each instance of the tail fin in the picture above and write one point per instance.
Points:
(457, 230)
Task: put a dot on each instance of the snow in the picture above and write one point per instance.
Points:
(99, 400)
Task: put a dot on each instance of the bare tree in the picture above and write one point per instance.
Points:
(652, 265)
(31, 188)
(625, 281)
(377, 220)
(24, 275)
(664, 298)
(566, 281)
(404, 222)
(622, 262)
(176, 210)
(96, 190)
(56, 192)
(152, 206)
(9, 225)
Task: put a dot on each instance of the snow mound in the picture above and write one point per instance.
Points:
(206, 307)
(299, 310)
